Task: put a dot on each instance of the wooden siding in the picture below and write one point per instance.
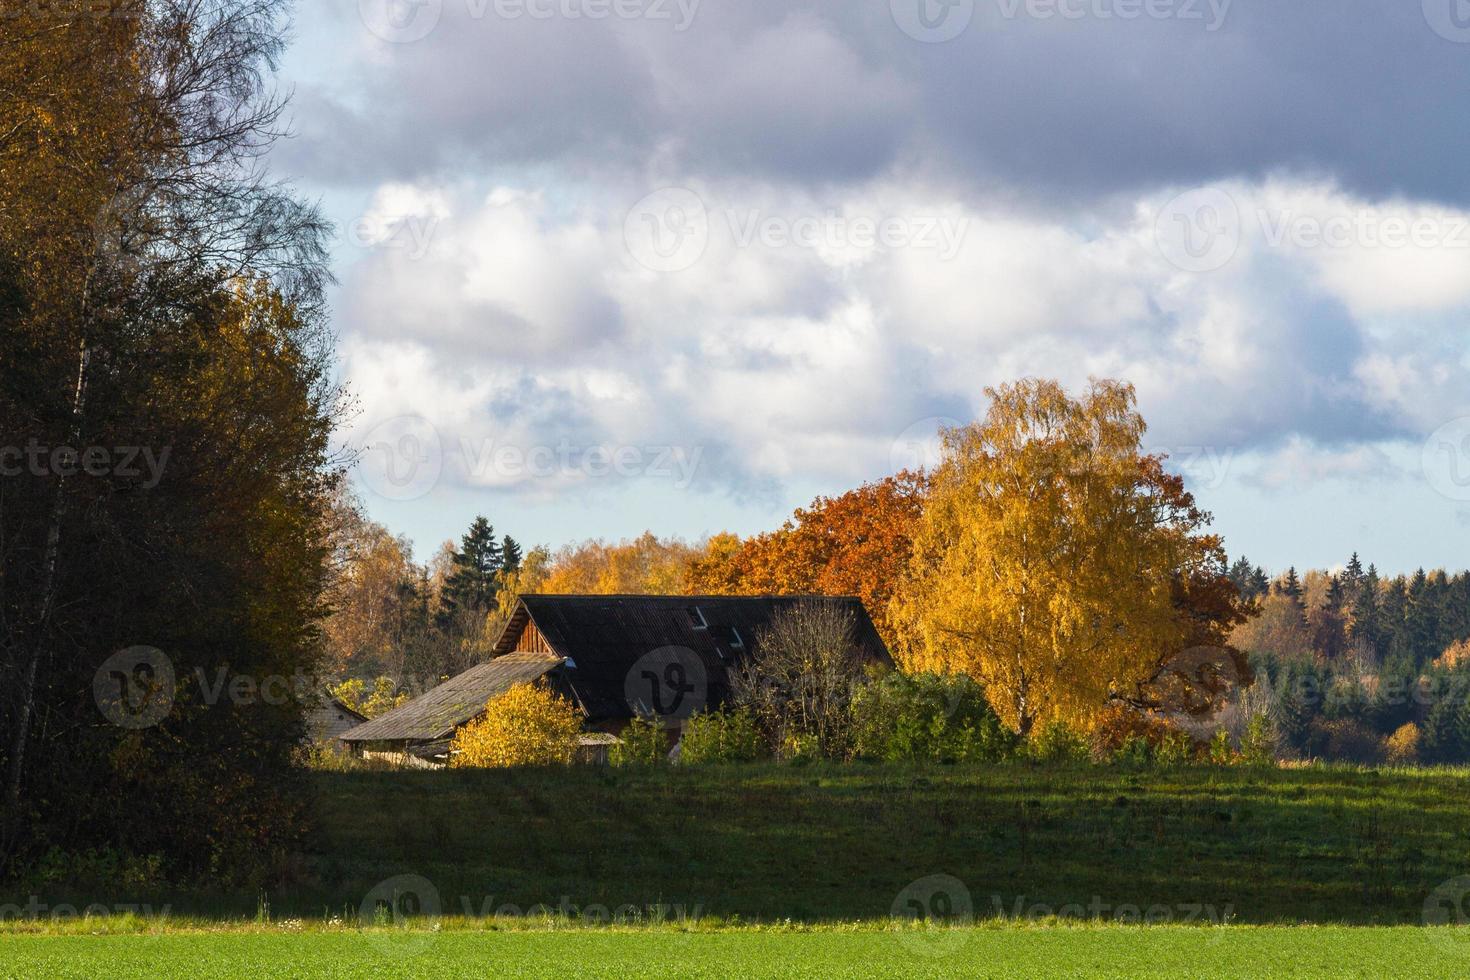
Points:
(531, 641)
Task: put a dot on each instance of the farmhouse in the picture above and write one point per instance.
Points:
(663, 656)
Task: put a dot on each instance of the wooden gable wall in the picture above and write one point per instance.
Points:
(531, 641)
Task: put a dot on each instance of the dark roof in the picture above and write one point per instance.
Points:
(438, 713)
(604, 637)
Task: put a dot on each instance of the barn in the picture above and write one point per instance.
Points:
(665, 656)
(328, 719)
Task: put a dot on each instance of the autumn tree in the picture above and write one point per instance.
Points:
(646, 565)
(158, 290)
(1052, 558)
(855, 544)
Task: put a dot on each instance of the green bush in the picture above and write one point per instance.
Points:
(1258, 744)
(1175, 749)
(1134, 753)
(1221, 754)
(1057, 742)
(722, 737)
(927, 718)
(643, 743)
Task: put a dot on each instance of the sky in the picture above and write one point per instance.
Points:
(683, 265)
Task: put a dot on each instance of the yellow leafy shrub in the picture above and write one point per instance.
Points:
(1402, 747)
(528, 725)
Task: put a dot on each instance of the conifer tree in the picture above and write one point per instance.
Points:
(477, 564)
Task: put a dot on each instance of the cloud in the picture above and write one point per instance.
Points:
(1056, 104)
(808, 332)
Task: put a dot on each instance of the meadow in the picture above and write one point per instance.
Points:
(763, 844)
(1030, 951)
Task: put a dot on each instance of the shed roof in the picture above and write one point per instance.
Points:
(436, 714)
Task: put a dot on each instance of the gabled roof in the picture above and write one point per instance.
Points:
(330, 700)
(604, 637)
(438, 713)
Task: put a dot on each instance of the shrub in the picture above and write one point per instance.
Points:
(1058, 742)
(528, 725)
(1127, 735)
(1402, 747)
(643, 743)
(1221, 752)
(1135, 752)
(927, 718)
(800, 678)
(722, 737)
(1175, 749)
(1350, 741)
(1258, 744)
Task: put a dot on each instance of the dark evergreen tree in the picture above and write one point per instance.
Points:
(1393, 613)
(476, 576)
(1291, 587)
(1367, 625)
(1293, 709)
(510, 555)
(1260, 584)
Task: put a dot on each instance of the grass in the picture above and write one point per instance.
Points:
(785, 871)
(768, 843)
(1110, 951)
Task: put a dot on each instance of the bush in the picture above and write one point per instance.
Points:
(1258, 744)
(1127, 736)
(1176, 749)
(528, 725)
(1221, 752)
(722, 737)
(1402, 747)
(1349, 741)
(643, 743)
(1058, 742)
(1134, 753)
(927, 718)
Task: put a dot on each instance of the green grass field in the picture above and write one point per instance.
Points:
(1006, 952)
(819, 871)
(771, 843)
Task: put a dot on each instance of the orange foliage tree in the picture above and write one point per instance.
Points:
(857, 543)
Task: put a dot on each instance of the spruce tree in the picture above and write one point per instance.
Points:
(476, 576)
(1367, 622)
(510, 555)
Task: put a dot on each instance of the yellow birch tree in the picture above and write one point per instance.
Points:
(1049, 559)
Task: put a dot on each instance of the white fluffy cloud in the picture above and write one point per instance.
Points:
(803, 334)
